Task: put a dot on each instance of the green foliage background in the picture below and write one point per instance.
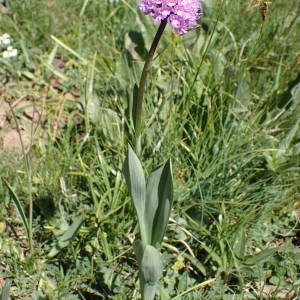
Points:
(223, 103)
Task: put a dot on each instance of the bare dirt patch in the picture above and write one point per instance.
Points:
(29, 113)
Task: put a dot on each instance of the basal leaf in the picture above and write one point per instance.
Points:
(165, 199)
(239, 245)
(259, 257)
(151, 265)
(150, 268)
(69, 235)
(152, 197)
(135, 180)
(66, 236)
(139, 248)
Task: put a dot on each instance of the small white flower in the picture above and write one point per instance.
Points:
(10, 52)
(5, 39)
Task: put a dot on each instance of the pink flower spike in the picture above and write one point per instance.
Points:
(182, 15)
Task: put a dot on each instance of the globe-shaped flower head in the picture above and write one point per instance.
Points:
(181, 14)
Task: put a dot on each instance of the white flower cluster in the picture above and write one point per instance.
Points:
(7, 51)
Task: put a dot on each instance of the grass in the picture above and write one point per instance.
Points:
(223, 104)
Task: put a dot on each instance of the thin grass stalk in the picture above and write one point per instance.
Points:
(206, 48)
(29, 181)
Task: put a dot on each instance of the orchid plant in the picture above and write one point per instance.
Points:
(152, 197)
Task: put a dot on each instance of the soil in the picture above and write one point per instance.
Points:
(27, 112)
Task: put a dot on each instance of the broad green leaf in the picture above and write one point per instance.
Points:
(150, 268)
(151, 265)
(139, 248)
(148, 291)
(259, 257)
(165, 199)
(150, 272)
(65, 237)
(240, 244)
(69, 235)
(152, 197)
(196, 263)
(54, 251)
(135, 180)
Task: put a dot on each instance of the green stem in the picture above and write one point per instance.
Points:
(141, 89)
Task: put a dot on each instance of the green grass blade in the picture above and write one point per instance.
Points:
(19, 208)
(70, 50)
